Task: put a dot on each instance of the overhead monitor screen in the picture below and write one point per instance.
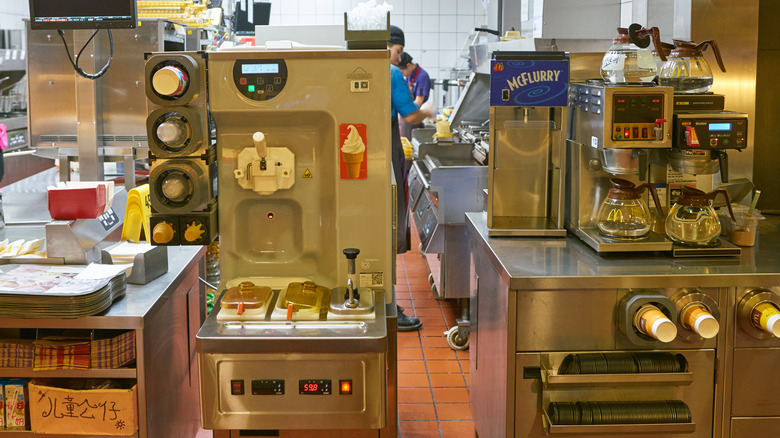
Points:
(82, 14)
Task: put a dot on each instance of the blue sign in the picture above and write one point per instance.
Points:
(529, 83)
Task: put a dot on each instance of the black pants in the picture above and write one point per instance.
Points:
(403, 236)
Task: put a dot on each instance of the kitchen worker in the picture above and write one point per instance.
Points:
(402, 104)
(419, 84)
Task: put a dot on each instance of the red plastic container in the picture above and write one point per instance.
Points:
(77, 203)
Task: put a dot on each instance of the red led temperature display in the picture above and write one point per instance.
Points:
(314, 387)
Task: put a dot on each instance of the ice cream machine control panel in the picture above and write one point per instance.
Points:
(635, 116)
(710, 130)
(260, 79)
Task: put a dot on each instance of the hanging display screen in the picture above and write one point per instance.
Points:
(82, 14)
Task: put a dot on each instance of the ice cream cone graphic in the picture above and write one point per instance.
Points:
(352, 152)
(353, 164)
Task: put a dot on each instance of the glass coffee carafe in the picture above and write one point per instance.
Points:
(624, 214)
(629, 60)
(686, 70)
(692, 221)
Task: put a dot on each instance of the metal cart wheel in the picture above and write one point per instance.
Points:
(456, 339)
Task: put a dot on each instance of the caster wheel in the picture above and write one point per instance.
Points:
(455, 341)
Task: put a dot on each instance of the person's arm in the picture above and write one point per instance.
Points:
(418, 116)
(402, 101)
(419, 100)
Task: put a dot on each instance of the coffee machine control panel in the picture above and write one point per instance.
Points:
(635, 116)
(720, 130)
(260, 79)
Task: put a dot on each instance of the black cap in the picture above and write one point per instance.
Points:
(405, 60)
(396, 35)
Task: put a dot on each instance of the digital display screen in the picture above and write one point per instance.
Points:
(268, 387)
(720, 126)
(258, 69)
(314, 387)
(82, 14)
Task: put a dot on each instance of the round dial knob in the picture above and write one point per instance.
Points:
(162, 232)
(172, 132)
(351, 253)
(176, 187)
(170, 81)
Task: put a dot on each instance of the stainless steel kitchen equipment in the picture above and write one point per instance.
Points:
(182, 150)
(100, 120)
(528, 125)
(613, 131)
(558, 328)
(304, 173)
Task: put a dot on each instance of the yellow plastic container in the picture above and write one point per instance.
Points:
(137, 214)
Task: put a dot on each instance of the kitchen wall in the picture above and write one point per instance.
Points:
(436, 30)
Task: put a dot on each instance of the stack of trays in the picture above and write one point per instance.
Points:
(623, 363)
(45, 291)
(619, 412)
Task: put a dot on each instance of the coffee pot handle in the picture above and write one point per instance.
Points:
(703, 46)
(714, 193)
(651, 188)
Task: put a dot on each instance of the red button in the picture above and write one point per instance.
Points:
(345, 387)
(237, 387)
(242, 81)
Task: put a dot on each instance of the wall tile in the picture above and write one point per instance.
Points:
(448, 7)
(413, 23)
(287, 20)
(413, 7)
(325, 8)
(430, 7)
(465, 24)
(288, 7)
(398, 6)
(309, 19)
(448, 40)
(430, 24)
(430, 40)
(447, 23)
(413, 40)
(467, 7)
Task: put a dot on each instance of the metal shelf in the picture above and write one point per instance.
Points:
(31, 434)
(616, 429)
(571, 380)
(115, 373)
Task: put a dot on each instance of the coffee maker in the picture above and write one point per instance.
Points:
(614, 131)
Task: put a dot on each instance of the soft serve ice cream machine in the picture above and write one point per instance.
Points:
(299, 338)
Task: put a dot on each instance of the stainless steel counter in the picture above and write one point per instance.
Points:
(543, 263)
(535, 301)
(165, 315)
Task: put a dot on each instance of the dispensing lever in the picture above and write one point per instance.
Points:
(258, 138)
(352, 298)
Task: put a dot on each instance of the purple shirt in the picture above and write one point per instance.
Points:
(420, 83)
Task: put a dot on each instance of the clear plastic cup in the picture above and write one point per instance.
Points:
(744, 230)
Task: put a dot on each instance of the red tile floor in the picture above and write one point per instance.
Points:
(433, 379)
